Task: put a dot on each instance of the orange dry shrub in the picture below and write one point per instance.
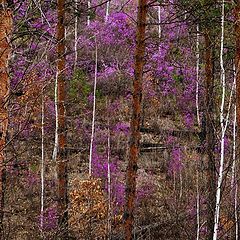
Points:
(88, 209)
(226, 223)
(29, 101)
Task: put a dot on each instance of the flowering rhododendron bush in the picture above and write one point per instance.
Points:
(74, 123)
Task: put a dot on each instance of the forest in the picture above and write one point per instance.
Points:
(119, 119)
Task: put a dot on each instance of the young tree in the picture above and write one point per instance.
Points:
(131, 173)
(107, 10)
(75, 36)
(42, 163)
(6, 22)
(94, 110)
(234, 183)
(210, 141)
(88, 16)
(223, 123)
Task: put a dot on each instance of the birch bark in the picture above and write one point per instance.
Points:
(94, 110)
(223, 130)
(42, 165)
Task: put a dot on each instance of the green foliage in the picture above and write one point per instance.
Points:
(79, 87)
(92, 15)
(178, 78)
(34, 167)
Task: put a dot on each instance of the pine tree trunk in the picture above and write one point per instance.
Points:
(6, 24)
(61, 155)
(131, 174)
(210, 141)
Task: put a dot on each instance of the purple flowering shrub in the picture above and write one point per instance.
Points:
(49, 219)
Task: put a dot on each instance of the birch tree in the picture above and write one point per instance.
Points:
(223, 130)
(107, 10)
(42, 164)
(234, 184)
(94, 110)
(198, 120)
(210, 138)
(197, 75)
(88, 15)
(75, 35)
(131, 173)
(109, 181)
(159, 22)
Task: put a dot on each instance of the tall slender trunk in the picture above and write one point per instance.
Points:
(234, 182)
(109, 177)
(107, 10)
(210, 139)
(132, 167)
(94, 110)
(88, 15)
(159, 23)
(223, 131)
(42, 163)
(75, 36)
(198, 207)
(197, 75)
(6, 24)
(56, 142)
(237, 66)
(61, 155)
(198, 120)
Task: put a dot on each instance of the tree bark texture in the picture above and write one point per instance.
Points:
(132, 167)
(61, 156)
(6, 24)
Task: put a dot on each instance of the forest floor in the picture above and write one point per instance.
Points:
(158, 211)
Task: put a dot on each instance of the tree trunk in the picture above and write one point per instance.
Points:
(237, 67)
(131, 173)
(210, 139)
(224, 124)
(237, 64)
(42, 163)
(107, 10)
(6, 22)
(61, 156)
(197, 74)
(94, 109)
(75, 37)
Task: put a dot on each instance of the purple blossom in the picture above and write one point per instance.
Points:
(175, 164)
